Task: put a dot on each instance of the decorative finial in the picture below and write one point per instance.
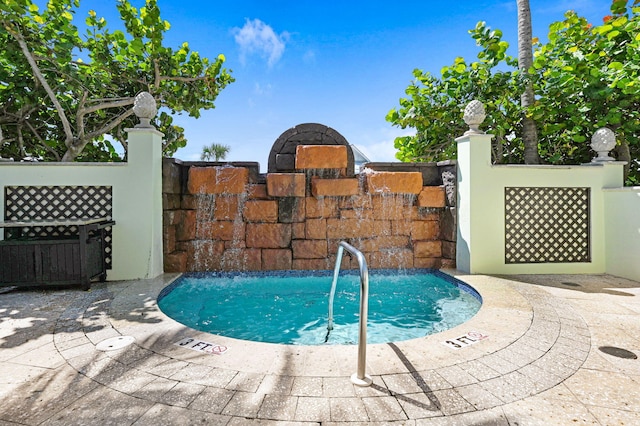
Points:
(603, 141)
(144, 107)
(474, 115)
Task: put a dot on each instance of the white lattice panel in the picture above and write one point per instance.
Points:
(547, 225)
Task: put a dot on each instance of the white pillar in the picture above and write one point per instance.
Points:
(137, 235)
(474, 160)
(145, 164)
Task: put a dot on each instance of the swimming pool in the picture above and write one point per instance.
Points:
(292, 307)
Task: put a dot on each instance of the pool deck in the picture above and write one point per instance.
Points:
(540, 364)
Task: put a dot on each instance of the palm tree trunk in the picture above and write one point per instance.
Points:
(525, 62)
(624, 154)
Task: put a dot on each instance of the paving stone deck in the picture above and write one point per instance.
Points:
(540, 364)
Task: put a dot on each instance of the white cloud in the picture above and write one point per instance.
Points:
(309, 57)
(262, 90)
(256, 37)
(381, 148)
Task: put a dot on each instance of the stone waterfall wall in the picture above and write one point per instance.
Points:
(226, 216)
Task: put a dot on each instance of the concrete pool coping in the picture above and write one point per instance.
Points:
(541, 352)
(438, 288)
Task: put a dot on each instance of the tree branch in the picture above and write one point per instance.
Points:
(38, 74)
(21, 149)
(43, 143)
(92, 101)
(106, 105)
(182, 79)
(156, 70)
(79, 144)
(109, 126)
(80, 115)
(160, 78)
(20, 115)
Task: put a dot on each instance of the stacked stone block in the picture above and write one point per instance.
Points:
(224, 218)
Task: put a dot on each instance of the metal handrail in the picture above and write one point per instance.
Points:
(359, 378)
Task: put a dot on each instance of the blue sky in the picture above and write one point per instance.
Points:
(341, 63)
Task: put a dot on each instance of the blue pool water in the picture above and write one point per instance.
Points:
(292, 307)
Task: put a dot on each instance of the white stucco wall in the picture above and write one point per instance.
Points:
(481, 215)
(622, 228)
(137, 199)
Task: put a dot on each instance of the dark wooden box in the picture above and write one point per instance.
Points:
(52, 262)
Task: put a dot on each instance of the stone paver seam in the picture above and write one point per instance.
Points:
(64, 318)
(559, 339)
(107, 385)
(503, 353)
(235, 392)
(396, 396)
(212, 386)
(86, 303)
(566, 314)
(404, 411)
(534, 303)
(430, 393)
(444, 407)
(61, 408)
(195, 396)
(112, 389)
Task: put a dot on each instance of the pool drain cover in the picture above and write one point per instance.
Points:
(115, 343)
(618, 352)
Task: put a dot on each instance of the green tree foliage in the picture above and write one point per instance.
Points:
(214, 152)
(434, 105)
(62, 91)
(589, 77)
(585, 77)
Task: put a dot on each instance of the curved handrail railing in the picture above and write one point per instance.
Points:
(360, 378)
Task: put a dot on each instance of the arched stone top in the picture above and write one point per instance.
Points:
(282, 157)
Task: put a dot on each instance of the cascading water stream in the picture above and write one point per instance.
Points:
(386, 244)
(212, 211)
